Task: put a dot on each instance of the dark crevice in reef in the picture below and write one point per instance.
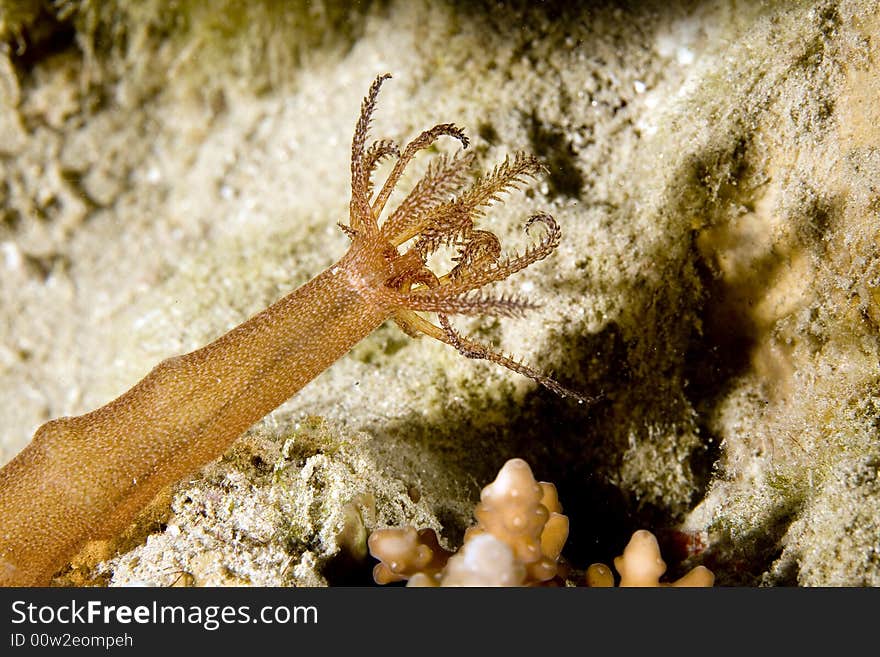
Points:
(556, 151)
(488, 133)
(600, 514)
(41, 37)
(702, 461)
(722, 352)
(343, 569)
(570, 445)
(745, 559)
(718, 180)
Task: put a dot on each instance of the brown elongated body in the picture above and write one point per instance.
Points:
(86, 477)
(183, 414)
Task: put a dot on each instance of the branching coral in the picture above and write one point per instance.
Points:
(641, 565)
(407, 553)
(517, 541)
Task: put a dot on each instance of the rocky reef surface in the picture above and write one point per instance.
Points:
(715, 169)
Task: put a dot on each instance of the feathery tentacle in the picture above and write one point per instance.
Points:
(432, 216)
(361, 215)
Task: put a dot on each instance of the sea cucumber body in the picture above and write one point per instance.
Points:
(86, 477)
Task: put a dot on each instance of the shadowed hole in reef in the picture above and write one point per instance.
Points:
(42, 37)
(722, 352)
(343, 569)
(487, 133)
(564, 443)
(556, 151)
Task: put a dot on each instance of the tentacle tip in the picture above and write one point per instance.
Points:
(542, 217)
(583, 400)
(458, 132)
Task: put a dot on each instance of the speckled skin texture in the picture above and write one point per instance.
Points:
(85, 477)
